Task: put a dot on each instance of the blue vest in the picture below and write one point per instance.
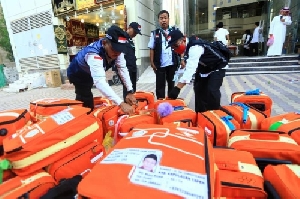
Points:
(79, 64)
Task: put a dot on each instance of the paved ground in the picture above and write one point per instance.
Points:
(284, 92)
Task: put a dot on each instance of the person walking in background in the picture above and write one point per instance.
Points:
(246, 39)
(254, 41)
(89, 66)
(133, 29)
(222, 34)
(277, 31)
(164, 61)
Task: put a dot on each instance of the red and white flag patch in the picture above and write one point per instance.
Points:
(139, 28)
(98, 57)
(122, 40)
(169, 38)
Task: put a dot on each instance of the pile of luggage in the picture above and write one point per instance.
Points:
(59, 149)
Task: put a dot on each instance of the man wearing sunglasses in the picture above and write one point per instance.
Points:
(208, 63)
(89, 66)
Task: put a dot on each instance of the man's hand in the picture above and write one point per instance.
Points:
(127, 109)
(182, 63)
(154, 68)
(174, 93)
(130, 99)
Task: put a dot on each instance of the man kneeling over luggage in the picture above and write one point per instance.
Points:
(90, 64)
(207, 60)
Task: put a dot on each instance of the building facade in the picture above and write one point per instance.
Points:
(202, 16)
(47, 34)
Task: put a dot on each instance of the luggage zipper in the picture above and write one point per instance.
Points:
(22, 115)
(230, 184)
(65, 163)
(51, 105)
(293, 130)
(257, 131)
(215, 133)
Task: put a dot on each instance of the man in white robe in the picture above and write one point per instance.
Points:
(278, 31)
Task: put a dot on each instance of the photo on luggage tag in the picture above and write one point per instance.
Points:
(150, 173)
(134, 157)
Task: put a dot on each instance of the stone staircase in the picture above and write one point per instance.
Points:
(263, 65)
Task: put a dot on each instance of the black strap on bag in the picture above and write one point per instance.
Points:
(66, 189)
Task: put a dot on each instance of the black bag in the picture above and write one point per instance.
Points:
(66, 189)
(222, 48)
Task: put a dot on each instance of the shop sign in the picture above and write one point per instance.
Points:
(81, 4)
(62, 6)
(60, 38)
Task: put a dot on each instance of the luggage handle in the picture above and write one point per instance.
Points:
(189, 121)
(228, 166)
(253, 92)
(264, 136)
(227, 121)
(245, 110)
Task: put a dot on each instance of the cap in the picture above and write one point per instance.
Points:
(136, 27)
(117, 37)
(220, 24)
(173, 37)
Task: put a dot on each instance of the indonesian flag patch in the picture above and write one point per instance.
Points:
(169, 38)
(122, 40)
(139, 28)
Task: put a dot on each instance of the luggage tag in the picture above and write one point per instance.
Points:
(172, 141)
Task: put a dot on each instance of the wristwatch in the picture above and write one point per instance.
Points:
(130, 92)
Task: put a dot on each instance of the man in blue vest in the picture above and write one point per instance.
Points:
(133, 29)
(208, 63)
(164, 61)
(89, 66)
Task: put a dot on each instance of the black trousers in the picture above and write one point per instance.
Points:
(253, 46)
(163, 75)
(83, 83)
(207, 91)
(133, 78)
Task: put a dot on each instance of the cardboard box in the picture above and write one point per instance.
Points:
(53, 78)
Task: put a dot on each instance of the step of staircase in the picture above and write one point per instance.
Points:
(263, 65)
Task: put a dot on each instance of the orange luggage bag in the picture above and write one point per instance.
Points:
(76, 162)
(42, 108)
(239, 175)
(31, 186)
(288, 123)
(248, 117)
(217, 125)
(184, 117)
(256, 99)
(10, 122)
(126, 123)
(154, 161)
(102, 101)
(174, 102)
(266, 144)
(283, 181)
(274, 122)
(147, 97)
(51, 139)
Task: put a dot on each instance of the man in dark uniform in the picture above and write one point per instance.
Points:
(133, 29)
(89, 66)
(208, 63)
(164, 62)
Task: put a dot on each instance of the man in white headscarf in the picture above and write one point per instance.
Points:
(278, 31)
